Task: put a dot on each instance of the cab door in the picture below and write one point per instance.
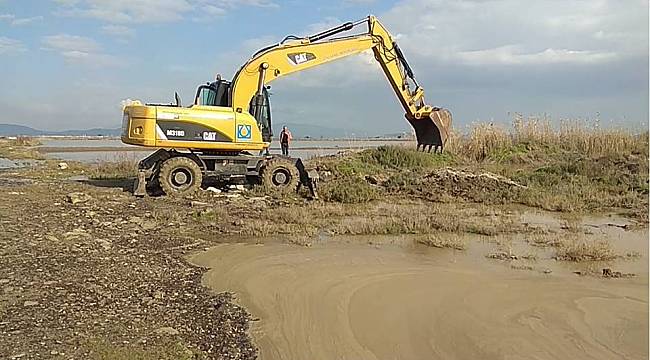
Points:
(262, 114)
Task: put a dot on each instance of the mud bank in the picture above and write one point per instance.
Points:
(344, 298)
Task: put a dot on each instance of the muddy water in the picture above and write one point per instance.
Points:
(350, 298)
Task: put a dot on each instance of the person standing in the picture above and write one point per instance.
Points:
(285, 139)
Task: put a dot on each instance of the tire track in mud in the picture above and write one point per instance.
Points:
(357, 302)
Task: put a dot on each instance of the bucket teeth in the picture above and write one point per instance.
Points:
(431, 132)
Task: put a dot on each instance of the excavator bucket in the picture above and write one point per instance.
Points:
(432, 131)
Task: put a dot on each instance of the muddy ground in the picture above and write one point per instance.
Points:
(101, 278)
(88, 271)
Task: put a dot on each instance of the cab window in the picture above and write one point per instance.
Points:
(215, 94)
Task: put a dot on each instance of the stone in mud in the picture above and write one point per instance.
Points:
(198, 203)
(609, 273)
(51, 238)
(376, 179)
(105, 244)
(145, 224)
(170, 331)
(502, 255)
(78, 198)
(62, 166)
(76, 234)
(30, 303)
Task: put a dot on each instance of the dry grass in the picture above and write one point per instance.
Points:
(308, 219)
(24, 141)
(486, 141)
(572, 246)
(120, 168)
(422, 218)
(572, 222)
(582, 249)
(544, 240)
(22, 147)
(447, 241)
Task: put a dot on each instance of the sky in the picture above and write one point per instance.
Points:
(69, 64)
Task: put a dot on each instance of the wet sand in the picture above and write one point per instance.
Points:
(346, 299)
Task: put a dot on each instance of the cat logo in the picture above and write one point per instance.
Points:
(300, 58)
(244, 132)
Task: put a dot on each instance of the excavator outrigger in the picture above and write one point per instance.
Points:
(217, 135)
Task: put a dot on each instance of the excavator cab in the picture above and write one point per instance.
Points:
(217, 93)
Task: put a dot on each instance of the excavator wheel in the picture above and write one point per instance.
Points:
(280, 175)
(179, 176)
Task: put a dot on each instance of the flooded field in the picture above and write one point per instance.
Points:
(390, 298)
(100, 150)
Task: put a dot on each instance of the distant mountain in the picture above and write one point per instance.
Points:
(11, 129)
(15, 130)
(297, 130)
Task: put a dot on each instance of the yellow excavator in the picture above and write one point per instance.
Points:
(226, 132)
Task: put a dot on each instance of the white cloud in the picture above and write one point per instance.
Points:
(442, 31)
(129, 11)
(65, 42)
(14, 21)
(214, 10)
(11, 46)
(118, 31)
(67, 2)
(514, 55)
(25, 21)
(359, 2)
(152, 11)
(80, 50)
(239, 3)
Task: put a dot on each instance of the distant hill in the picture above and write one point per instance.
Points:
(298, 131)
(11, 129)
(16, 130)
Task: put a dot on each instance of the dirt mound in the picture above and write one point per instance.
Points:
(446, 183)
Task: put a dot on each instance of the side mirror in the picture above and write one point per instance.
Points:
(178, 99)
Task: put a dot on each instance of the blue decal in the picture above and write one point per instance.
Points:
(244, 132)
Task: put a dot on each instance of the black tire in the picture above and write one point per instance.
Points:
(180, 176)
(280, 175)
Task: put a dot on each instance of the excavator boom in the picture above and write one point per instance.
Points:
(293, 54)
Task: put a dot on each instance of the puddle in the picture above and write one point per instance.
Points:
(391, 298)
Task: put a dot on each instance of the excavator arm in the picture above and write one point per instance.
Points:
(295, 54)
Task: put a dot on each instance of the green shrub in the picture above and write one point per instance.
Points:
(348, 190)
(398, 157)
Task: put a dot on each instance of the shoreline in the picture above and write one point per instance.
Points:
(80, 149)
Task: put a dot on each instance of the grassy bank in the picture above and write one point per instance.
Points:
(573, 167)
(22, 147)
